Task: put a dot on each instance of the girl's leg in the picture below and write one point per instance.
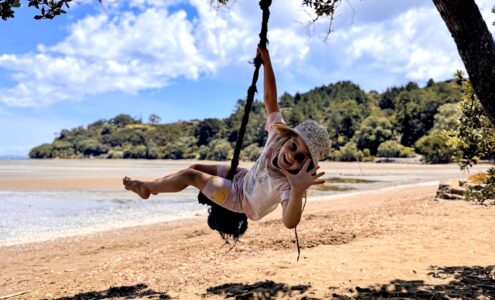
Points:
(171, 183)
(208, 169)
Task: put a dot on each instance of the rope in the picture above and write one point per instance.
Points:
(295, 228)
(264, 6)
(228, 223)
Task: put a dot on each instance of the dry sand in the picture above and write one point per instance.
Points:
(399, 243)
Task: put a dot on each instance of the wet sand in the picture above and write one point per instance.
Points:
(400, 243)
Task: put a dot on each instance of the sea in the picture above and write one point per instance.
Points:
(46, 199)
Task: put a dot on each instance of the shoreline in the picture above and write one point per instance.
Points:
(111, 227)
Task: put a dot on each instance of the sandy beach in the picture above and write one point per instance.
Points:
(388, 242)
(395, 243)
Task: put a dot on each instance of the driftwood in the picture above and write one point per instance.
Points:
(449, 191)
(13, 295)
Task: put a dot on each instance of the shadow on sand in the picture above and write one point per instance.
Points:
(462, 282)
(466, 283)
(259, 290)
(138, 291)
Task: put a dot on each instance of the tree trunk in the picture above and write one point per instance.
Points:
(475, 46)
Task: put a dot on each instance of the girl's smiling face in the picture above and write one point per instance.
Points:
(293, 154)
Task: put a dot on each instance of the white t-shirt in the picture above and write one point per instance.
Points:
(264, 187)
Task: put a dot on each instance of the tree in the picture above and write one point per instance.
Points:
(373, 131)
(42, 151)
(154, 119)
(219, 150)
(207, 130)
(388, 98)
(47, 9)
(447, 117)
(123, 120)
(474, 137)
(475, 45)
(435, 148)
(390, 149)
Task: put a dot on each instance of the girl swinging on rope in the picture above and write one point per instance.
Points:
(286, 168)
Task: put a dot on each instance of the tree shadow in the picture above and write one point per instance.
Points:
(262, 290)
(467, 283)
(140, 291)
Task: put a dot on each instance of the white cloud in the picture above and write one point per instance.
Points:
(414, 45)
(135, 45)
(125, 52)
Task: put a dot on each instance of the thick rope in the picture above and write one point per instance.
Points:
(264, 5)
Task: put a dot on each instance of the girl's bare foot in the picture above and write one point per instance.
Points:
(136, 186)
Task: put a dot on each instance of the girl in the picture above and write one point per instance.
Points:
(286, 168)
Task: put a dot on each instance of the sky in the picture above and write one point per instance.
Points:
(189, 59)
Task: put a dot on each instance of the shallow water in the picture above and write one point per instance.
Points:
(35, 215)
(29, 216)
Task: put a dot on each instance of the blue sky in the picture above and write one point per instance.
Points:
(186, 59)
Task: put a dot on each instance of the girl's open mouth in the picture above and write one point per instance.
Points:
(285, 160)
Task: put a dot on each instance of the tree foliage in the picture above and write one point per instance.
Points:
(47, 9)
(474, 138)
(374, 130)
(355, 122)
(390, 149)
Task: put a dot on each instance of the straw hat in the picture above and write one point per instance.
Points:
(314, 136)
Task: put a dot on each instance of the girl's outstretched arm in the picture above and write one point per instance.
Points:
(270, 85)
(292, 208)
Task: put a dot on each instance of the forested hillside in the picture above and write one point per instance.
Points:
(399, 122)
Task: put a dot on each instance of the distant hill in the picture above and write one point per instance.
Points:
(358, 122)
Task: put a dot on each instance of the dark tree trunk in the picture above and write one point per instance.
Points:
(475, 46)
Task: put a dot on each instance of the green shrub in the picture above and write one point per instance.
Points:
(349, 152)
(114, 154)
(219, 150)
(435, 149)
(373, 131)
(483, 194)
(394, 149)
(136, 152)
(251, 152)
(42, 151)
(63, 149)
(90, 147)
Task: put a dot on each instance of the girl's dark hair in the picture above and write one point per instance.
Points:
(230, 225)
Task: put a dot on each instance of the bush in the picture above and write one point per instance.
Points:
(394, 149)
(42, 151)
(63, 149)
(90, 147)
(251, 152)
(349, 152)
(171, 151)
(219, 150)
(115, 154)
(373, 131)
(485, 193)
(435, 149)
(136, 152)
